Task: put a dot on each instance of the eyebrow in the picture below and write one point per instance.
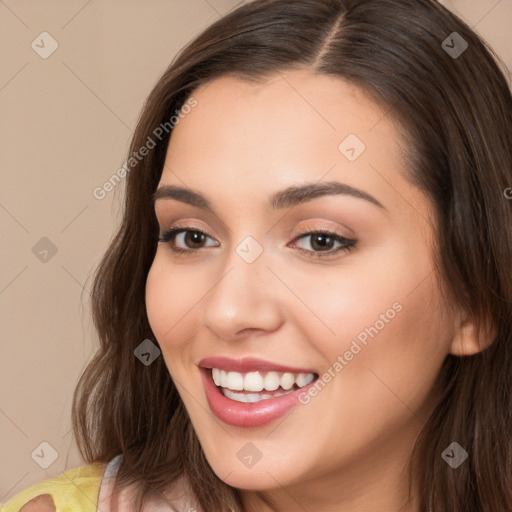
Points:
(291, 196)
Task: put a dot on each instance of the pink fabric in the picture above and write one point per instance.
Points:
(182, 502)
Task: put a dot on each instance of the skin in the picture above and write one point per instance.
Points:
(347, 448)
(41, 503)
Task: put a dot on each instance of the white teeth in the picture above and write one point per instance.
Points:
(235, 380)
(303, 379)
(260, 381)
(251, 397)
(287, 380)
(271, 381)
(253, 381)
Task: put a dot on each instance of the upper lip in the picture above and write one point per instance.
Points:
(249, 364)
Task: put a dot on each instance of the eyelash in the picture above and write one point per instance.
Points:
(347, 243)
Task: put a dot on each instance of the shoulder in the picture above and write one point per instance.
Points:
(75, 489)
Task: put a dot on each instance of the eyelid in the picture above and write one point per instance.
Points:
(347, 244)
(307, 227)
(321, 226)
(189, 225)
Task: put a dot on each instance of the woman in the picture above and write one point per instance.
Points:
(308, 305)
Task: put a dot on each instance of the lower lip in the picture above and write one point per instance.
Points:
(253, 414)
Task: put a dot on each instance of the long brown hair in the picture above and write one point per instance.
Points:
(456, 113)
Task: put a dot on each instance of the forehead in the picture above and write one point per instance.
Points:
(244, 138)
(288, 117)
(301, 102)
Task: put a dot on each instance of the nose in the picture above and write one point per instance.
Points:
(245, 298)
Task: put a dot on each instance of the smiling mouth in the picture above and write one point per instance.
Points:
(255, 386)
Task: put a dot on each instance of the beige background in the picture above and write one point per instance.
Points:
(65, 126)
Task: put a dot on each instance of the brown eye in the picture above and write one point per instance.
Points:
(193, 239)
(321, 243)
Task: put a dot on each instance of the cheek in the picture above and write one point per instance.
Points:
(171, 294)
(382, 323)
(376, 291)
(399, 364)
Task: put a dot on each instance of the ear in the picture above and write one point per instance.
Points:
(467, 341)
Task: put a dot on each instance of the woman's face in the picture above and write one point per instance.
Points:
(362, 313)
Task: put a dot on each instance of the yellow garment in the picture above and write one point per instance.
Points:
(75, 490)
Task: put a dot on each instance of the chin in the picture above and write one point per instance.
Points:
(250, 479)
